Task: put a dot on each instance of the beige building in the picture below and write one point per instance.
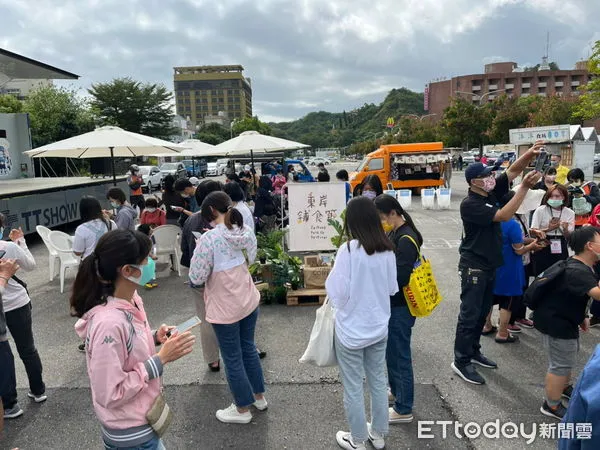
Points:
(204, 91)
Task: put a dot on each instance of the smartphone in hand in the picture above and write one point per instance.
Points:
(542, 158)
(186, 326)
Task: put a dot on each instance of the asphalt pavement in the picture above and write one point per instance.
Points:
(305, 403)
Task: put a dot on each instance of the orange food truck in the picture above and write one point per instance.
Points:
(404, 166)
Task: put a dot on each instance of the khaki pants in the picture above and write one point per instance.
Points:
(208, 339)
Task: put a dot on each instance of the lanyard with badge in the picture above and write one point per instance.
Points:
(555, 240)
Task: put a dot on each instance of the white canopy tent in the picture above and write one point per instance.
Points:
(106, 142)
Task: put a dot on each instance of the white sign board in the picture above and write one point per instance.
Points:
(554, 133)
(311, 205)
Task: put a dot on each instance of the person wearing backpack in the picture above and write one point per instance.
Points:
(559, 310)
(407, 242)
(584, 196)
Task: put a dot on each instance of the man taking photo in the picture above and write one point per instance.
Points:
(481, 254)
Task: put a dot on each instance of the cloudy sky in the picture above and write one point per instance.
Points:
(302, 55)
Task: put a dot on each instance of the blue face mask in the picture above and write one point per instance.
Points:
(1, 232)
(147, 272)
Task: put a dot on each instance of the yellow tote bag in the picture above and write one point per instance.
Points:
(421, 294)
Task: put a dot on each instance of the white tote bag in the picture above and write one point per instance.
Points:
(321, 350)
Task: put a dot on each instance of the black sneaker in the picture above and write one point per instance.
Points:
(568, 392)
(483, 361)
(594, 322)
(261, 354)
(557, 413)
(81, 348)
(468, 373)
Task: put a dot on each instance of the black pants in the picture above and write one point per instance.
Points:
(137, 200)
(8, 381)
(476, 299)
(19, 324)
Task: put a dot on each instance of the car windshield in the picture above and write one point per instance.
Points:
(362, 164)
(144, 170)
(187, 162)
(212, 164)
(168, 166)
(222, 161)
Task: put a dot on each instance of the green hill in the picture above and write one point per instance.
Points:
(325, 129)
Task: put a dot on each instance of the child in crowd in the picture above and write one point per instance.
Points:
(147, 230)
(152, 215)
(360, 285)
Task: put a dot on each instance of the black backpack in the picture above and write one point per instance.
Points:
(539, 289)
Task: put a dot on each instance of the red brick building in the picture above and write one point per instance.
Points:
(505, 78)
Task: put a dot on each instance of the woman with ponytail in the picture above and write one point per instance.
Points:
(407, 241)
(123, 365)
(231, 302)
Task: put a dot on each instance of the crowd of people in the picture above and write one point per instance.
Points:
(505, 241)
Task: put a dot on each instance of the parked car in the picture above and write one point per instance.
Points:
(152, 177)
(195, 167)
(315, 161)
(470, 158)
(177, 169)
(597, 163)
(213, 169)
(222, 165)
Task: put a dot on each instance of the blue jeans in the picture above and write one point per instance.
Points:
(399, 359)
(353, 364)
(242, 364)
(153, 444)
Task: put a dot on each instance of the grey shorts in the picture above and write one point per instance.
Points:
(562, 354)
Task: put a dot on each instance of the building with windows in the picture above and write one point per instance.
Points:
(505, 78)
(203, 91)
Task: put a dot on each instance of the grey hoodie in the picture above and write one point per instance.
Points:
(125, 218)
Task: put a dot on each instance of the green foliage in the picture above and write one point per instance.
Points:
(463, 122)
(589, 102)
(325, 129)
(9, 104)
(551, 110)
(250, 124)
(338, 226)
(286, 268)
(553, 66)
(134, 106)
(213, 133)
(55, 114)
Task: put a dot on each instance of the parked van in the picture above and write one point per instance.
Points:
(404, 166)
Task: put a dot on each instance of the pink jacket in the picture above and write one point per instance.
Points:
(279, 182)
(219, 261)
(123, 367)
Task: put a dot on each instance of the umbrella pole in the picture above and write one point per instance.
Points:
(112, 163)
(253, 168)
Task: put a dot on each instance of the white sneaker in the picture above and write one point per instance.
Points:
(37, 398)
(261, 404)
(232, 415)
(345, 441)
(376, 438)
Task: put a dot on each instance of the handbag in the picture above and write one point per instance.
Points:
(160, 415)
(422, 294)
(321, 348)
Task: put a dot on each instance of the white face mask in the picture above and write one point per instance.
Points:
(150, 210)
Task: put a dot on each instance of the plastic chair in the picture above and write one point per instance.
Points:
(167, 242)
(63, 244)
(53, 255)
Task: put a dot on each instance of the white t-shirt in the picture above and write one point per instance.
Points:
(15, 296)
(88, 234)
(359, 288)
(243, 208)
(543, 215)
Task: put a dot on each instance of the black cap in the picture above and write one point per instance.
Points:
(478, 170)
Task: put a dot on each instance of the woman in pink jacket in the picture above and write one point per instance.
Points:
(231, 302)
(123, 365)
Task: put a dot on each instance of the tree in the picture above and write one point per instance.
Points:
(138, 107)
(250, 124)
(10, 104)
(213, 133)
(56, 113)
(551, 110)
(465, 123)
(510, 113)
(589, 101)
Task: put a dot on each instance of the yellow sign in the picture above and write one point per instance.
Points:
(390, 122)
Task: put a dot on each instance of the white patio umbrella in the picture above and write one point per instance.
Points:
(250, 142)
(106, 142)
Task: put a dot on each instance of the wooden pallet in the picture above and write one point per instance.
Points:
(306, 297)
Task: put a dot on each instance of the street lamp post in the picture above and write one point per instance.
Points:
(480, 97)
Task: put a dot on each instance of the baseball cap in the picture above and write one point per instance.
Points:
(195, 181)
(478, 170)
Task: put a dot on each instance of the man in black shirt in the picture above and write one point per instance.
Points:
(562, 311)
(481, 254)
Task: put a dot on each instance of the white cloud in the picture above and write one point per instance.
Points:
(301, 55)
